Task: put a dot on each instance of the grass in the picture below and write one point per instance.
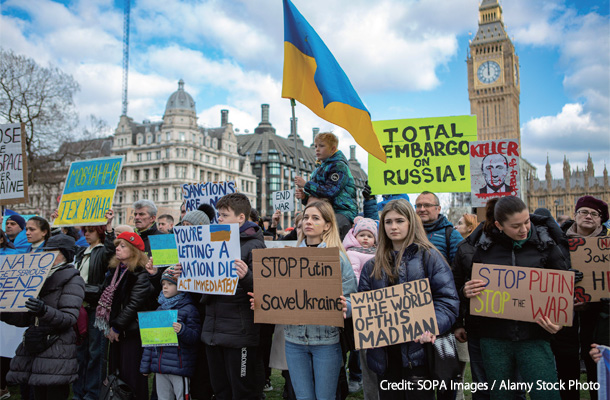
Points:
(277, 381)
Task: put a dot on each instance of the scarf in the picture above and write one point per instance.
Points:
(363, 250)
(170, 304)
(571, 232)
(102, 312)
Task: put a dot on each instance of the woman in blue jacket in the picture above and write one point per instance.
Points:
(313, 352)
(38, 231)
(405, 254)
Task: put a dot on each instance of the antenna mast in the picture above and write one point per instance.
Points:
(125, 53)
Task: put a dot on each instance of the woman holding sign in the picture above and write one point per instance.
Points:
(313, 352)
(405, 254)
(510, 236)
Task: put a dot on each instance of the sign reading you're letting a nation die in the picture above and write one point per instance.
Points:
(524, 294)
(296, 286)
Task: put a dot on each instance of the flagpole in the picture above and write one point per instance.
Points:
(293, 125)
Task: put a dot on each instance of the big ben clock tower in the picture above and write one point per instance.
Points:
(493, 77)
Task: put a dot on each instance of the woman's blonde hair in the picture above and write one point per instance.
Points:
(385, 262)
(471, 221)
(331, 236)
(137, 258)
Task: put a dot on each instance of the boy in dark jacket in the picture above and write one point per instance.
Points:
(332, 180)
(229, 331)
(174, 366)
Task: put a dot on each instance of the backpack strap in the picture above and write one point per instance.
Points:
(448, 231)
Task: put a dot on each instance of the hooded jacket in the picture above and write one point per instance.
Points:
(541, 250)
(229, 322)
(437, 232)
(333, 180)
(176, 360)
(416, 263)
(63, 294)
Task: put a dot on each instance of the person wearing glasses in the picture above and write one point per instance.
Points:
(438, 228)
(589, 218)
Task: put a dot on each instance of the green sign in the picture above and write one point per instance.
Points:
(423, 154)
(156, 328)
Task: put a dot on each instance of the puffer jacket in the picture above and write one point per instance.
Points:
(333, 180)
(416, 263)
(324, 334)
(176, 360)
(63, 294)
(98, 266)
(540, 251)
(229, 322)
(135, 293)
(437, 233)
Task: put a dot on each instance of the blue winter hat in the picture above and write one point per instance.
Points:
(18, 219)
(389, 197)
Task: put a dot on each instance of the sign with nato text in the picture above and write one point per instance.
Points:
(89, 191)
(207, 254)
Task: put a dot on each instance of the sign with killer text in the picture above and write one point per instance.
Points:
(296, 286)
(13, 165)
(591, 256)
(164, 250)
(156, 328)
(22, 277)
(283, 200)
(207, 254)
(393, 315)
(524, 294)
(494, 170)
(89, 191)
(425, 152)
(196, 194)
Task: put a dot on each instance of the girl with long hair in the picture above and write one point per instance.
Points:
(405, 254)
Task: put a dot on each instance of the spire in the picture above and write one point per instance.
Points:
(590, 169)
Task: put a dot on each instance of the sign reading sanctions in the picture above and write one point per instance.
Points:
(22, 277)
(591, 256)
(88, 191)
(207, 254)
(393, 315)
(524, 294)
(430, 151)
(297, 286)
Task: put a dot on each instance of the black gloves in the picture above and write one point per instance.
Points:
(36, 306)
(578, 276)
(366, 192)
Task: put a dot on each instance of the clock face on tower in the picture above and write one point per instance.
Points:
(488, 72)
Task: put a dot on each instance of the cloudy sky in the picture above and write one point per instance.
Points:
(405, 58)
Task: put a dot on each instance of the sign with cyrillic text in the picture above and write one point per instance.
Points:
(591, 256)
(156, 328)
(207, 254)
(296, 286)
(423, 152)
(89, 192)
(196, 194)
(13, 165)
(393, 315)
(524, 294)
(494, 170)
(22, 277)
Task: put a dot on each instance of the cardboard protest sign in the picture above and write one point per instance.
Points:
(22, 277)
(393, 315)
(89, 191)
(494, 170)
(591, 256)
(156, 328)
(164, 250)
(206, 193)
(13, 165)
(524, 294)
(297, 286)
(280, 244)
(207, 254)
(432, 152)
(283, 200)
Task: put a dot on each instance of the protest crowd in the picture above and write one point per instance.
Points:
(85, 334)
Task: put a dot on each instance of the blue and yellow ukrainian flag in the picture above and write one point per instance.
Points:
(313, 77)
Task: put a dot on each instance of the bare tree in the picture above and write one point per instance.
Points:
(42, 99)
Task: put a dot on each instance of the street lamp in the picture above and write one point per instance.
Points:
(556, 205)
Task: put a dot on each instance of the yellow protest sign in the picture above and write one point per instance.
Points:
(423, 154)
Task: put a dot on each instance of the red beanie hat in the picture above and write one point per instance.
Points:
(134, 239)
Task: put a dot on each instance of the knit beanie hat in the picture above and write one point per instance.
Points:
(196, 217)
(168, 275)
(366, 224)
(18, 219)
